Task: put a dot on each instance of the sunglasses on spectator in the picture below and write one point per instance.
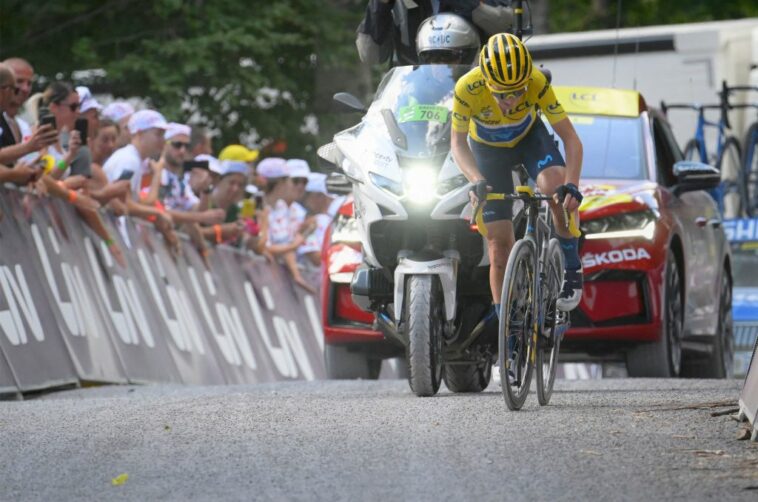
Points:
(300, 181)
(16, 90)
(179, 145)
(506, 95)
(71, 106)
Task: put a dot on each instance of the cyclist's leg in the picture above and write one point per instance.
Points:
(494, 164)
(546, 165)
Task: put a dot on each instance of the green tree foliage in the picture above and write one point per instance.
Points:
(237, 66)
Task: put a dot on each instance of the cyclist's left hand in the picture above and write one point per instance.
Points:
(568, 195)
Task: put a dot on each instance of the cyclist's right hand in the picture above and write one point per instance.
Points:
(478, 193)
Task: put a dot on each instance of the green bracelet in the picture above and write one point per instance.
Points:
(61, 165)
(109, 242)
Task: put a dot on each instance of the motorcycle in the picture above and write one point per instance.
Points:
(426, 271)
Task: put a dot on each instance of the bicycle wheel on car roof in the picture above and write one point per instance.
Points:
(516, 338)
(735, 194)
(750, 170)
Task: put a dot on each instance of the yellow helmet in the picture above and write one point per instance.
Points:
(505, 62)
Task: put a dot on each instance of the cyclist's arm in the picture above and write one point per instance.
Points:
(464, 157)
(573, 146)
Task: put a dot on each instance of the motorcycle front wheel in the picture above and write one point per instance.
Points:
(423, 316)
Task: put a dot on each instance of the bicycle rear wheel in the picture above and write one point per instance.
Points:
(735, 193)
(516, 338)
(549, 346)
(750, 170)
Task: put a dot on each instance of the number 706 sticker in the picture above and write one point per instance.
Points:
(423, 113)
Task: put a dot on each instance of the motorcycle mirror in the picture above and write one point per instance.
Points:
(338, 184)
(349, 103)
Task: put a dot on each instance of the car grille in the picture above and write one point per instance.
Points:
(745, 335)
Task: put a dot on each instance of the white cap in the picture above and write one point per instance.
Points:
(86, 100)
(252, 189)
(298, 168)
(118, 110)
(234, 167)
(146, 119)
(213, 163)
(273, 167)
(316, 183)
(175, 129)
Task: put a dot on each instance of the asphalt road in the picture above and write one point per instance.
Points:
(600, 439)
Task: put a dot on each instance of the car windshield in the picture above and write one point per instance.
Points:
(414, 104)
(612, 147)
(745, 264)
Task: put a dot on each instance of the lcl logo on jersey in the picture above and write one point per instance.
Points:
(476, 87)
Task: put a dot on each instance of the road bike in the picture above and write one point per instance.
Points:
(731, 195)
(531, 327)
(749, 176)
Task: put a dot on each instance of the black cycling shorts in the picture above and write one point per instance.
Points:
(537, 151)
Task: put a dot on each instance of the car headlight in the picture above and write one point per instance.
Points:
(451, 184)
(622, 225)
(386, 184)
(420, 184)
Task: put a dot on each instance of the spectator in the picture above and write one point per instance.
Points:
(175, 193)
(299, 171)
(227, 193)
(69, 157)
(200, 142)
(103, 146)
(240, 153)
(284, 236)
(13, 130)
(317, 201)
(104, 141)
(120, 112)
(147, 128)
(89, 109)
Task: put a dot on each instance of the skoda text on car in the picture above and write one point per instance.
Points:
(656, 262)
(743, 237)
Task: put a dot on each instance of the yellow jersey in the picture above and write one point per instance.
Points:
(475, 110)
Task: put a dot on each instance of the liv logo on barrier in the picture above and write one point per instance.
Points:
(183, 330)
(131, 320)
(78, 313)
(16, 292)
(230, 335)
(290, 347)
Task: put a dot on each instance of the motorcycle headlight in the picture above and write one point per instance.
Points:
(420, 184)
(387, 184)
(451, 184)
(623, 225)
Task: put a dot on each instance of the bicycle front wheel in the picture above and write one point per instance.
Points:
(735, 193)
(548, 345)
(750, 170)
(516, 336)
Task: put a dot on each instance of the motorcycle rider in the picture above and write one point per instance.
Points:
(388, 27)
(496, 125)
(447, 39)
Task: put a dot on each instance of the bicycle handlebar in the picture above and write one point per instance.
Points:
(569, 218)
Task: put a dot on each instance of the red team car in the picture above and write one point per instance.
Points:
(656, 261)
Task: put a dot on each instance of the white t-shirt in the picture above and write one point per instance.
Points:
(316, 238)
(123, 161)
(297, 215)
(175, 192)
(280, 224)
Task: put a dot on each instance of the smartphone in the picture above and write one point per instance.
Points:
(48, 119)
(125, 175)
(82, 125)
(189, 165)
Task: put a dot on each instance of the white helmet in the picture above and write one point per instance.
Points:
(447, 38)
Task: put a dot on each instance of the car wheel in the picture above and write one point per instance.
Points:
(467, 377)
(663, 358)
(343, 364)
(720, 362)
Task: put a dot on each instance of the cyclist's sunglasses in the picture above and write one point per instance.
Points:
(506, 95)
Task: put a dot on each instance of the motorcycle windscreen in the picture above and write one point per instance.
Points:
(414, 103)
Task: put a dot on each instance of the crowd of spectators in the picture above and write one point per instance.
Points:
(134, 163)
